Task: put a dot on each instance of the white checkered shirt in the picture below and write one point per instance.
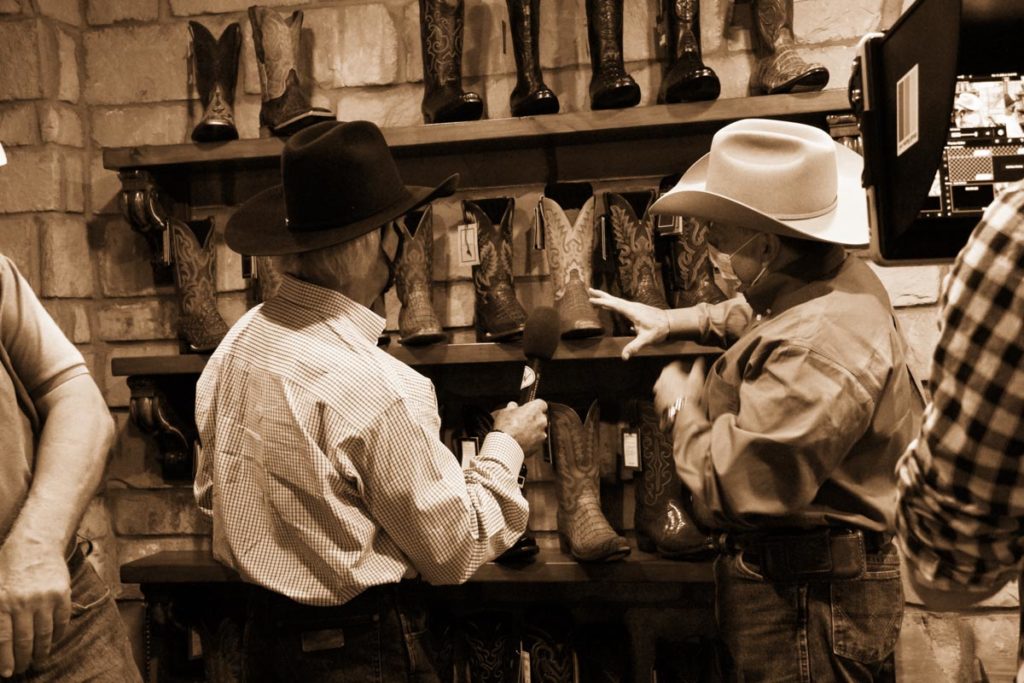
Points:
(321, 461)
(961, 483)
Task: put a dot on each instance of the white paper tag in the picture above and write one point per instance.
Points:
(529, 377)
(631, 450)
(467, 247)
(907, 100)
(524, 666)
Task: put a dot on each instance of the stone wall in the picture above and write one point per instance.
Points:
(82, 75)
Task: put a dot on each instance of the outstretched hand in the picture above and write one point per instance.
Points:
(650, 323)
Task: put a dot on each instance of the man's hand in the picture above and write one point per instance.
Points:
(527, 424)
(35, 603)
(676, 383)
(650, 323)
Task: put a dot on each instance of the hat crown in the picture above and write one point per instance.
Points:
(785, 170)
(336, 173)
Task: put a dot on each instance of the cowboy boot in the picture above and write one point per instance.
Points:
(546, 637)
(267, 278)
(499, 315)
(583, 530)
(200, 324)
(444, 100)
(639, 275)
(662, 522)
(570, 248)
(491, 642)
(610, 86)
(286, 106)
(693, 276)
(779, 68)
(530, 96)
(417, 322)
(215, 66)
(687, 78)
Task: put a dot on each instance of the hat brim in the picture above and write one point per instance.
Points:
(845, 224)
(259, 228)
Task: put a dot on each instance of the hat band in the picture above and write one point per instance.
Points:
(810, 214)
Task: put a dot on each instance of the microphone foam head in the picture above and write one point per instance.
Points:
(541, 333)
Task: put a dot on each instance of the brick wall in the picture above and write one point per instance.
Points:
(81, 75)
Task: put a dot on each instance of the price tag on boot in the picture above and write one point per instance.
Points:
(631, 449)
(467, 247)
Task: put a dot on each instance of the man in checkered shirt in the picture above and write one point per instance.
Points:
(961, 482)
(321, 461)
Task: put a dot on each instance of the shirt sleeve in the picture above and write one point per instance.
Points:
(202, 485)
(39, 354)
(799, 414)
(717, 324)
(448, 521)
(961, 481)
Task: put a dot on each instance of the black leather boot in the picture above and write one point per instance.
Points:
(530, 96)
(610, 86)
(215, 65)
(444, 100)
(687, 78)
(286, 104)
(499, 315)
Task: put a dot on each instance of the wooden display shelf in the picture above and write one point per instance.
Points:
(649, 121)
(549, 566)
(598, 349)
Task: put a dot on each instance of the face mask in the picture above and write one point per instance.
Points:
(723, 262)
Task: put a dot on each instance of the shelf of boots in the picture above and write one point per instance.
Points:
(549, 566)
(443, 355)
(634, 142)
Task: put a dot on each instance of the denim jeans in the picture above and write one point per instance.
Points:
(378, 637)
(94, 646)
(815, 631)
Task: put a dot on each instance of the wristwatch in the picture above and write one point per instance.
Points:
(673, 410)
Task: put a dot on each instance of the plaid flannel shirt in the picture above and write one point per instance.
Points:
(961, 482)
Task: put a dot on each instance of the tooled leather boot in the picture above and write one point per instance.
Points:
(779, 68)
(417, 321)
(215, 66)
(639, 273)
(610, 86)
(441, 28)
(662, 523)
(547, 637)
(688, 79)
(693, 276)
(200, 324)
(286, 106)
(583, 530)
(530, 97)
(266, 278)
(570, 247)
(491, 643)
(499, 315)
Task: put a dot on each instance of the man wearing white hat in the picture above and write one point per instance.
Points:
(789, 445)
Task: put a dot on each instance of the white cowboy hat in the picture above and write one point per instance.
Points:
(776, 176)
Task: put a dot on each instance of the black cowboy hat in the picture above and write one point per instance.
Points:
(339, 182)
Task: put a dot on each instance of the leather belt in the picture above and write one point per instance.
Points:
(826, 553)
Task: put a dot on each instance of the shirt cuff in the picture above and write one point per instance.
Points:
(503, 448)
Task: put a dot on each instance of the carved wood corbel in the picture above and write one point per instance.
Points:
(176, 437)
(141, 206)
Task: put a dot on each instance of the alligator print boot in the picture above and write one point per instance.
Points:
(530, 96)
(200, 324)
(569, 244)
(688, 79)
(779, 68)
(639, 272)
(417, 322)
(215, 66)
(286, 104)
(444, 100)
(499, 315)
(610, 86)
(693, 276)
(583, 529)
(662, 523)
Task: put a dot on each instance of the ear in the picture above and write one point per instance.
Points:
(771, 246)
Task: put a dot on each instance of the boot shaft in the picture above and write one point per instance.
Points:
(693, 278)
(569, 244)
(682, 28)
(417, 322)
(499, 315)
(633, 230)
(276, 40)
(604, 33)
(200, 324)
(441, 32)
(215, 66)
(524, 24)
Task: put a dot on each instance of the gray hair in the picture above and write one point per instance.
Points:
(330, 267)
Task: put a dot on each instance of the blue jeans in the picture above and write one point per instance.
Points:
(94, 646)
(378, 637)
(815, 631)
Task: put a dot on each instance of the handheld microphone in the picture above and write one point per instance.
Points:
(540, 340)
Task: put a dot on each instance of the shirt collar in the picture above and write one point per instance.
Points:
(331, 304)
(786, 287)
